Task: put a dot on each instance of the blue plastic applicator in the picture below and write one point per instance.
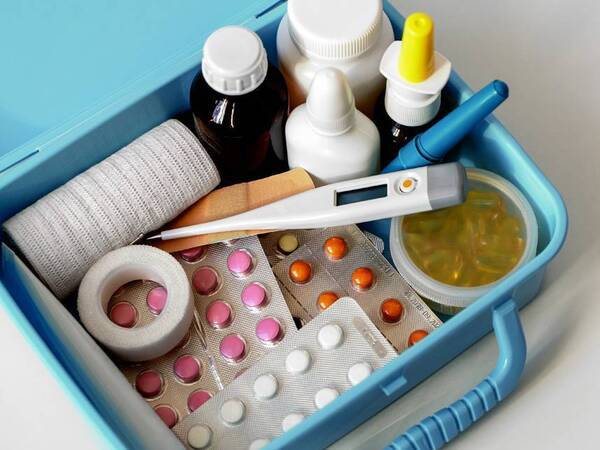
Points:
(431, 146)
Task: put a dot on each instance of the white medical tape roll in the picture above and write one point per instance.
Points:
(113, 270)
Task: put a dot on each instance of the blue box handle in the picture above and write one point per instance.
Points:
(437, 430)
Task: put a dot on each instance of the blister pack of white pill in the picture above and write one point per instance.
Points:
(240, 315)
(328, 356)
(340, 262)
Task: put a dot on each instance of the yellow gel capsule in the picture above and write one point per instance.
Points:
(506, 244)
(417, 245)
(469, 276)
(422, 224)
(487, 200)
(510, 226)
(483, 226)
(433, 262)
(487, 278)
(440, 214)
(463, 239)
(454, 274)
(519, 246)
(495, 262)
(442, 261)
(452, 225)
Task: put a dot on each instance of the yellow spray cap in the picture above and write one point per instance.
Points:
(416, 61)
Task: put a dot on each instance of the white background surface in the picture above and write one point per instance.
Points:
(548, 53)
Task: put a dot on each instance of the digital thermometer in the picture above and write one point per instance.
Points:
(354, 201)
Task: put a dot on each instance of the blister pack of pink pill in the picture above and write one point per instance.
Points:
(341, 261)
(331, 354)
(240, 316)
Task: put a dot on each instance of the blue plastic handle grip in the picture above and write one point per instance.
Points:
(437, 430)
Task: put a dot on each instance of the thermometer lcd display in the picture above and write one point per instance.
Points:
(361, 195)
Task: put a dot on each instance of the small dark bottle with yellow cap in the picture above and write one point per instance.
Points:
(416, 75)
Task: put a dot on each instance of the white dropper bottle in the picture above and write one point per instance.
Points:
(328, 136)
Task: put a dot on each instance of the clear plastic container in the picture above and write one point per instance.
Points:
(448, 299)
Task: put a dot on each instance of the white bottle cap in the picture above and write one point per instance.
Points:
(334, 29)
(412, 104)
(330, 103)
(234, 61)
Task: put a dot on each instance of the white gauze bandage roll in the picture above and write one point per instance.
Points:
(134, 191)
(113, 270)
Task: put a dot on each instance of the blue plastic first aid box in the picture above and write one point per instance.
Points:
(82, 79)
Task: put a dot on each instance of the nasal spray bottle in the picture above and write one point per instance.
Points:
(416, 75)
(432, 146)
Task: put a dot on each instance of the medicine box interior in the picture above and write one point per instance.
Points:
(103, 393)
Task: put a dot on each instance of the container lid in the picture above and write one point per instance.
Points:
(234, 61)
(449, 299)
(334, 29)
(64, 60)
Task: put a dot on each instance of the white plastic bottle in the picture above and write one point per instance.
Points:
(350, 35)
(328, 136)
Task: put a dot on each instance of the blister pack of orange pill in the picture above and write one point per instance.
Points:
(341, 261)
(278, 244)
